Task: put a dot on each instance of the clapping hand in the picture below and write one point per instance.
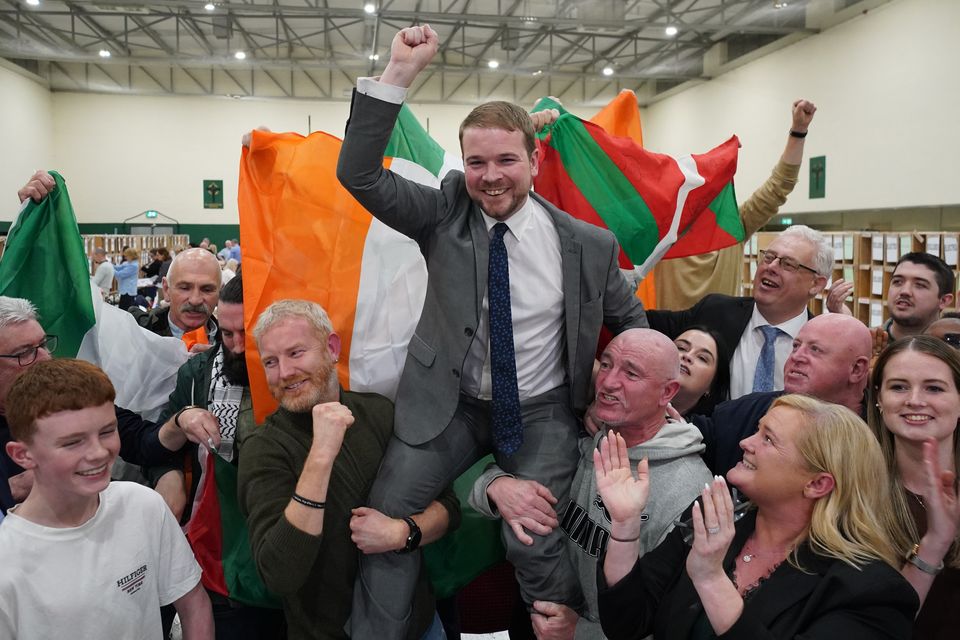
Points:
(940, 501)
(712, 531)
(624, 496)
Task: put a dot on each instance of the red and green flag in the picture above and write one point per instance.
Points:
(656, 205)
(218, 533)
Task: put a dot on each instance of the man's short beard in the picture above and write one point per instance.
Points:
(235, 368)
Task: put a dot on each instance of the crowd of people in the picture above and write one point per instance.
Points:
(739, 468)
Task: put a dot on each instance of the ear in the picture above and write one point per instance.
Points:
(669, 390)
(945, 301)
(166, 288)
(535, 162)
(819, 283)
(821, 485)
(333, 345)
(20, 453)
(860, 370)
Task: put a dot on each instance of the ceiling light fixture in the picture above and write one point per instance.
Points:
(33, 3)
(370, 8)
(493, 64)
(780, 4)
(538, 72)
(671, 30)
(209, 6)
(374, 56)
(240, 55)
(608, 71)
(104, 53)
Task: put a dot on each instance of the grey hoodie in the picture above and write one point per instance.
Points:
(677, 476)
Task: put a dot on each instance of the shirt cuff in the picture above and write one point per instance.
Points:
(381, 91)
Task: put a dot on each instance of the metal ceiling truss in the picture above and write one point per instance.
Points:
(314, 49)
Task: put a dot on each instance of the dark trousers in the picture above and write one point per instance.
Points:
(410, 477)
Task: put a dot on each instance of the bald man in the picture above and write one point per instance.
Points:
(192, 287)
(947, 329)
(638, 376)
(830, 360)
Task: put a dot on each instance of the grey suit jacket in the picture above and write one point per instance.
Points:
(450, 231)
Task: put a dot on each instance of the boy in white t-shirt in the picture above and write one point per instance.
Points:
(82, 557)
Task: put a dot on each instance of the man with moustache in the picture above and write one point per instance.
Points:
(192, 287)
(306, 473)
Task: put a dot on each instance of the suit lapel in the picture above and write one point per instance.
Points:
(481, 253)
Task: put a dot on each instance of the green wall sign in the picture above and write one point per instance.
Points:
(213, 194)
(818, 176)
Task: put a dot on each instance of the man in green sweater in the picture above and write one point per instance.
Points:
(305, 475)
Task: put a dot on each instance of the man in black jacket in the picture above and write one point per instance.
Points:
(830, 360)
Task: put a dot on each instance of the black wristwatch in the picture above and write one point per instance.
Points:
(413, 540)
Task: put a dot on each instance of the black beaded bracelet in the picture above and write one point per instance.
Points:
(308, 503)
(798, 134)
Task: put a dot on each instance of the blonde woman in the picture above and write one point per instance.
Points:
(812, 560)
(126, 274)
(914, 411)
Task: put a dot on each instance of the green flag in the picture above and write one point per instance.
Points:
(45, 263)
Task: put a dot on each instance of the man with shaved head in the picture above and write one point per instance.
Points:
(192, 287)
(947, 329)
(829, 360)
(638, 376)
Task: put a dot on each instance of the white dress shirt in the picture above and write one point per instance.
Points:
(743, 365)
(536, 306)
(536, 294)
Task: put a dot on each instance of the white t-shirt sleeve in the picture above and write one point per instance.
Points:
(177, 569)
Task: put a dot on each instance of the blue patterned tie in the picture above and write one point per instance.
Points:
(763, 378)
(505, 419)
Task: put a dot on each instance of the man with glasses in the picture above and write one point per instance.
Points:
(761, 329)
(24, 343)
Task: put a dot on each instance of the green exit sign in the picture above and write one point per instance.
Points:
(786, 221)
(151, 213)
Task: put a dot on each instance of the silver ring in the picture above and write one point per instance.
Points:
(713, 530)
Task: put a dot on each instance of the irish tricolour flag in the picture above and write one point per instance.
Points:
(305, 237)
(44, 262)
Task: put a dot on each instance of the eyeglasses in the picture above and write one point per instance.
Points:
(29, 355)
(740, 508)
(788, 264)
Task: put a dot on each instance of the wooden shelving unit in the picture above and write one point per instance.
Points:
(867, 259)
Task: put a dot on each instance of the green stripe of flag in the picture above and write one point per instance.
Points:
(411, 141)
(724, 208)
(605, 186)
(44, 262)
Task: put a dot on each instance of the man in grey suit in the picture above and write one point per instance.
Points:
(502, 355)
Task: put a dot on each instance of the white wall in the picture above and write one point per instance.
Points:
(125, 154)
(887, 88)
(26, 124)
(886, 84)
